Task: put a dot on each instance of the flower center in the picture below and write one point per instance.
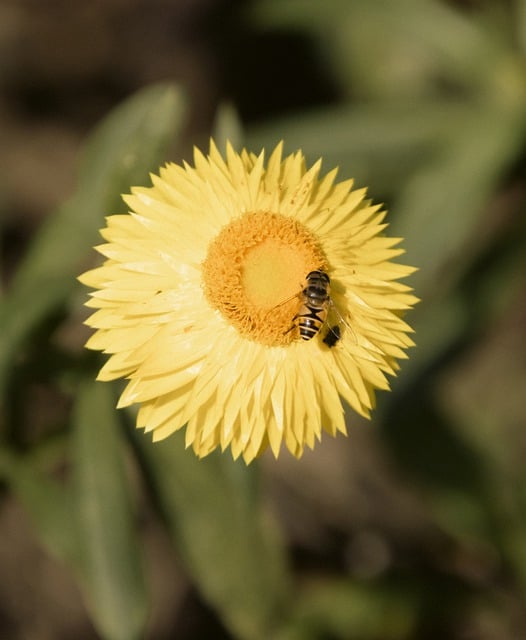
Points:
(254, 272)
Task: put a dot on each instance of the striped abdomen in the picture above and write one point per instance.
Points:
(315, 303)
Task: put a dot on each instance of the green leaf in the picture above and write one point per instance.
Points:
(341, 608)
(387, 48)
(520, 22)
(438, 324)
(215, 516)
(111, 564)
(440, 208)
(46, 502)
(228, 127)
(376, 144)
(131, 141)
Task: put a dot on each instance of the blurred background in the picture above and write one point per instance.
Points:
(413, 527)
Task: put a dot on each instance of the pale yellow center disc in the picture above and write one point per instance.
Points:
(254, 272)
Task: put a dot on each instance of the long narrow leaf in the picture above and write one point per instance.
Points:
(215, 517)
(46, 502)
(111, 562)
(440, 208)
(122, 150)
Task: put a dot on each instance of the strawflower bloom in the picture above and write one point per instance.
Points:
(199, 297)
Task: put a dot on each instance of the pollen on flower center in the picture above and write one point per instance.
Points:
(254, 271)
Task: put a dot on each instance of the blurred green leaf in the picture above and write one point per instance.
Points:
(439, 324)
(111, 566)
(520, 22)
(46, 501)
(341, 608)
(131, 141)
(440, 207)
(378, 144)
(513, 532)
(230, 547)
(387, 48)
(228, 127)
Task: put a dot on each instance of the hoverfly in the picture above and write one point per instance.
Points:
(315, 302)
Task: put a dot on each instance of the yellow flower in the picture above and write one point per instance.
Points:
(198, 297)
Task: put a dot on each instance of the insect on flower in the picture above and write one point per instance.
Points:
(316, 298)
(315, 304)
